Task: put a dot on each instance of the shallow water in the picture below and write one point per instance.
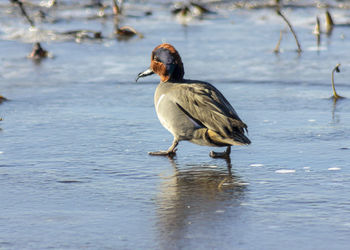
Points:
(74, 169)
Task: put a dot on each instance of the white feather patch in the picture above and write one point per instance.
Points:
(159, 100)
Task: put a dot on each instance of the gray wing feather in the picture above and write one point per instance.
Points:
(204, 103)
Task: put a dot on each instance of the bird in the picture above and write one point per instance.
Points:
(38, 52)
(192, 110)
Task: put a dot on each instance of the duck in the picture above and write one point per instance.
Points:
(38, 52)
(192, 110)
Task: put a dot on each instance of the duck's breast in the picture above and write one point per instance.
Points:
(170, 115)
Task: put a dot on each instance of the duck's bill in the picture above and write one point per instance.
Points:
(145, 73)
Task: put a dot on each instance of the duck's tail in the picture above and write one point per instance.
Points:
(236, 139)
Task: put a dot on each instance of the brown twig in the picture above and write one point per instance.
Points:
(329, 23)
(2, 98)
(127, 31)
(317, 31)
(291, 29)
(23, 11)
(335, 95)
(116, 8)
(277, 48)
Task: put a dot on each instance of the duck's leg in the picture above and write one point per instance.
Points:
(225, 154)
(170, 152)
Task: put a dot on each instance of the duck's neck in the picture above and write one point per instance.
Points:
(178, 73)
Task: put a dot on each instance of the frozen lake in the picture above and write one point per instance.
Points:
(74, 168)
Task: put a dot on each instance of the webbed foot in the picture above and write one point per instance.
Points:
(171, 152)
(225, 154)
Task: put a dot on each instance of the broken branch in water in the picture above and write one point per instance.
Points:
(2, 99)
(329, 23)
(126, 32)
(116, 9)
(23, 11)
(317, 31)
(278, 11)
(80, 35)
(335, 95)
(277, 48)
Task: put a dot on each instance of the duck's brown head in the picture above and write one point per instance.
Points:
(165, 62)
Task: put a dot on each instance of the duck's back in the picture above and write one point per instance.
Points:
(184, 107)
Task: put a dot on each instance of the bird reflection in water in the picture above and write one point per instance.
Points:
(193, 201)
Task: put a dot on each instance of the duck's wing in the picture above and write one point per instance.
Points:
(203, 103)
